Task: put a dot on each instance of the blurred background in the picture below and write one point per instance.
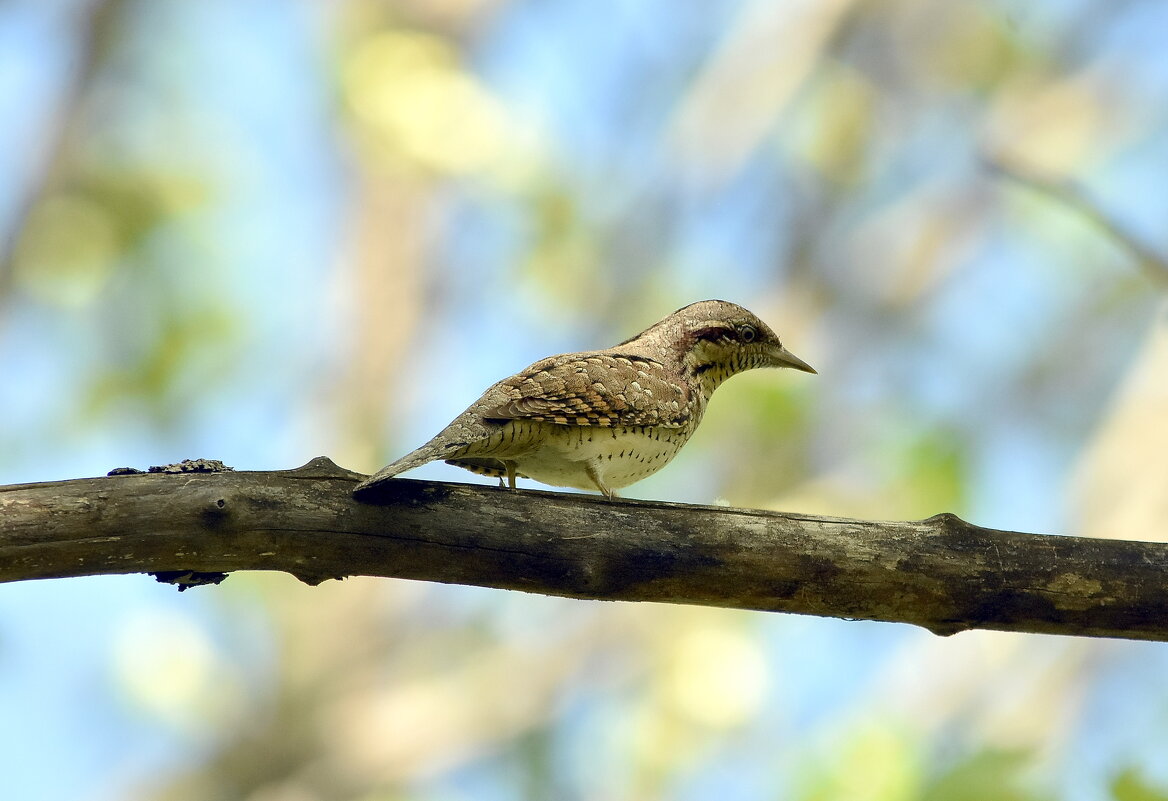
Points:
(262, 231)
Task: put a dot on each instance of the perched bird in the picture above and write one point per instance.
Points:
(607, 418)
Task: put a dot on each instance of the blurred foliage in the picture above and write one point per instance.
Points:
(272, 229)
(1131, 786)
(871, 763)
(418, 105)
(988, 774)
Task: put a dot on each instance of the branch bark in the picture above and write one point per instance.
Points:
(941, 573)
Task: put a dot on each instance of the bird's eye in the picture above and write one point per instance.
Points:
(748, 333)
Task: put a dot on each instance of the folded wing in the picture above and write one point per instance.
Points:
(593, 390)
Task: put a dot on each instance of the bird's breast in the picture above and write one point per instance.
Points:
(621, 455)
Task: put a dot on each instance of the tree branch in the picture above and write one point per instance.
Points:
(942, 573)
(1076, 198)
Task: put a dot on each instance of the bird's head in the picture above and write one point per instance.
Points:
(715, 339)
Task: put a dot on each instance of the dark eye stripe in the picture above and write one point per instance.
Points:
(714, 332)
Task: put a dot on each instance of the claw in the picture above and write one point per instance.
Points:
(594, 474)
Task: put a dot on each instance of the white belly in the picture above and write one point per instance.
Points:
(620, 456)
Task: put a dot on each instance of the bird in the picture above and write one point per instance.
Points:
(604, 419)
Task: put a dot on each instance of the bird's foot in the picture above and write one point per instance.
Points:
(594, 474)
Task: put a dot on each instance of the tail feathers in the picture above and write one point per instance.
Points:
(417, 458)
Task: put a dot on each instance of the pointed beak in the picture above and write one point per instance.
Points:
(781, 357)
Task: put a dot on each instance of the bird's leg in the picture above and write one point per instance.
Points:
(594, 474)
(510, 466)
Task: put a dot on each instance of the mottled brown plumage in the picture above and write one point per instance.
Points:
(604, 419)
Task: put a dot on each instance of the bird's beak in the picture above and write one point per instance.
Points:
(781, 357)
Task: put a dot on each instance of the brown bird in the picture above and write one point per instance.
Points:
(608, 418)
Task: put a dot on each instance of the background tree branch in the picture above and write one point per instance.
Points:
(941, 573)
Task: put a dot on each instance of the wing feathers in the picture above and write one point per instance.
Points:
(596, 390)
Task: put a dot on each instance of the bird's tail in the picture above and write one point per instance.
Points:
(424, 454)
(444, 446)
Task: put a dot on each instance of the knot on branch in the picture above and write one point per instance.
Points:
(948, 524)
(322, 467)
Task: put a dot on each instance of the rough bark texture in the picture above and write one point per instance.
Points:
(941, 573)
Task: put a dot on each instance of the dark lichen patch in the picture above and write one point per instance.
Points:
(193, 466)
(646, 566)
(1007, 606)
(406, 492)
(185, 579)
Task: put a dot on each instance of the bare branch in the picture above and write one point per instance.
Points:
(1073, 196)
(97, 32)
(942, 573)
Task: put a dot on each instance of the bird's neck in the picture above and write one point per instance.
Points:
(708, 368)
(706, 374)
(695, 361)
